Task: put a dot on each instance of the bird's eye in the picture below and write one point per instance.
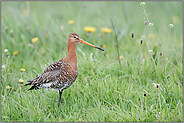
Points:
(75, 36)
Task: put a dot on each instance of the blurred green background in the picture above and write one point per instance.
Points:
(45, 19)
(110, 87)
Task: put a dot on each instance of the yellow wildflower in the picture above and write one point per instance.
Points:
(152, 35)
(26, 12)
(71, 22)
(89, 29)
(104, 46)
(121, 57)
(22, 69)
(35, 40)
(15, 53)
(175, 19)
(42, 49)
(21, 81)
(106, 30)
(7, 87)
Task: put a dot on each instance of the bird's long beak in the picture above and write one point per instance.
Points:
(84, 42)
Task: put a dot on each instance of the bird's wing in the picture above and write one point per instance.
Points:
(55, 71)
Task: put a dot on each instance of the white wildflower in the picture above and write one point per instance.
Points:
(171, 25)
(5, 50)
(6, 28)
(142, 3)
(3, 66)
(143, 60)
(62, 28)
(150, 24)
(11, 31)
(150, 50)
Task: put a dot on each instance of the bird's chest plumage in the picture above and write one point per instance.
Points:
(68, 77)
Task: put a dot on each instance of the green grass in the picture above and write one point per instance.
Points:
(104, 91)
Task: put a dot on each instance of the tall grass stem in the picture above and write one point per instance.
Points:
(116, 39)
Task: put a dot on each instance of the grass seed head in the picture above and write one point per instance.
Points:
(132, 35)
(145, 22)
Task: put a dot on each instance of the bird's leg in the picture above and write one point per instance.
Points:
(60, 100)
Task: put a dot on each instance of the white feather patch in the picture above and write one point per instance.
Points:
(46, 85)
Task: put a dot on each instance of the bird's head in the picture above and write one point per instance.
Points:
(75, 38)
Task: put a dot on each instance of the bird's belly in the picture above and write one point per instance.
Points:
(57, 86)
(65, 84)
(48, 85)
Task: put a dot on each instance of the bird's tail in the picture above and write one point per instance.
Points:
(32, 87)
(30, 82)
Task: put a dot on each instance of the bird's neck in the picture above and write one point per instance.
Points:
(72, 55)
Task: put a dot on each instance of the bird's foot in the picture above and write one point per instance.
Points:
(60, 101)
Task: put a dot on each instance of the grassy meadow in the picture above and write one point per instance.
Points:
(137, 79)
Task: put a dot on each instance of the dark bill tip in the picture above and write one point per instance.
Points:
(100, 48)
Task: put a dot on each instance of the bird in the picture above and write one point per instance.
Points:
(61, 74)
